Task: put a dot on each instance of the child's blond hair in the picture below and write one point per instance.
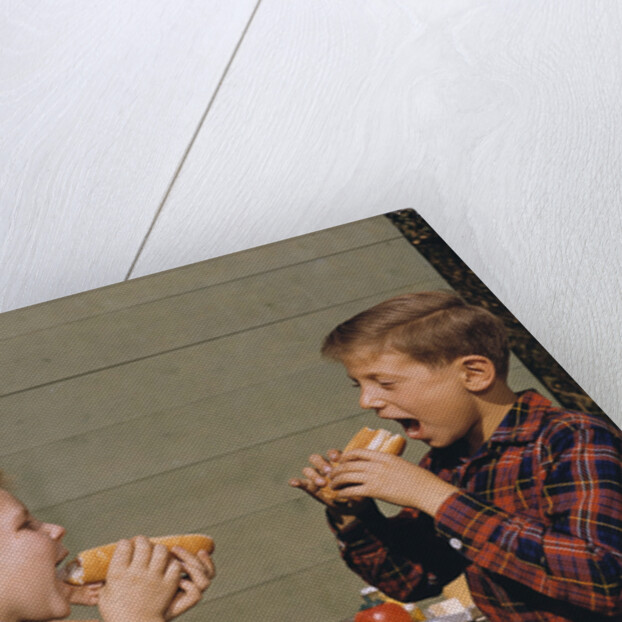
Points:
(433, 328)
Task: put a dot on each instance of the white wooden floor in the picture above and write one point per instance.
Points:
(141, 136)
(184, 401)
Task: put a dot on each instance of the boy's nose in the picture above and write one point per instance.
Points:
(369, 399)
(56, 532)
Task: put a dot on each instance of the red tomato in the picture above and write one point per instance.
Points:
(387, 612)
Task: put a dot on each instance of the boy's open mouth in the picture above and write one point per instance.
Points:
(412, 427)
(62, 555)
(61, 572)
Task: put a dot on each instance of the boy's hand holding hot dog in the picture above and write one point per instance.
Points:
(319, 478)
(316, 482)
(199, 570)
(145, 585)
(366, 473)
(85, 594)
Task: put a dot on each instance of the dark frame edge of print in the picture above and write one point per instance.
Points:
(462, 279)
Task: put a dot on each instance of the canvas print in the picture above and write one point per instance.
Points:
(220, 398)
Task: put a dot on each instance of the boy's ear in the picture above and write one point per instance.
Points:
(478, 372)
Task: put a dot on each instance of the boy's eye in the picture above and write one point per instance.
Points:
(30, 523)
(387, 383)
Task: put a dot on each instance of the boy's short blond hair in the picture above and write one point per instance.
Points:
(433, 328)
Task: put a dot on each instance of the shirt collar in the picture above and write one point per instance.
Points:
(521, 424)
(524, 420)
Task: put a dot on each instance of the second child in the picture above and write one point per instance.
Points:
(144, 584)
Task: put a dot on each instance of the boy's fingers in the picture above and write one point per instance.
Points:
(313, 476)
(86, 595)
(351, 492)
(349, 483)
(320, 463)
(304, 485)
(333, 455)
(159, 558)
(191, 588)
(208, 564)
(199, 569)
(362, 454)
(142, 552)
(183, 555)
(312, 490)
(93, 592)
(309, 488)
(352, 466)
(121, 557)
(189, 596)
(173, 571)
(348, 479)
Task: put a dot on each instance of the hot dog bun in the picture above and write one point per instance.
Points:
(368, 438)
(378, 440)
(91, 565)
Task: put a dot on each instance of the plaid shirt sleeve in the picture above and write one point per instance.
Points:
(574, 553)
(402, 556)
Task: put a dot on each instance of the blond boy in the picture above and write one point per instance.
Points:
(524, 498)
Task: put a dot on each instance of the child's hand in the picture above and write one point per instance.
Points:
(85, 594)
(141, 582)
(343, 510)
(315, 476)
(362, 472)
(200, 571)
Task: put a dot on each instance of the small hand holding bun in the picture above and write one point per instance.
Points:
(91, 565)
(199, 571)
(141, 582)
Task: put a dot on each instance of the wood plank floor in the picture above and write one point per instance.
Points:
(183, 401)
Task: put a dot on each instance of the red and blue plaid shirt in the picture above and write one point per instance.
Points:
(536, 526)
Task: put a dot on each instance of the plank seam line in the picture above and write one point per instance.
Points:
(276, 579)
(198, 343)
(199, 462)
(160, 411)
(197, 289)
(260, 510)
(191, 144)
